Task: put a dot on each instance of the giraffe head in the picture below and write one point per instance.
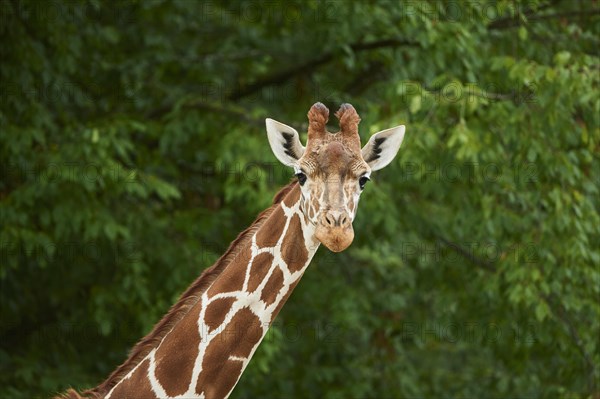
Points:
(332, 169)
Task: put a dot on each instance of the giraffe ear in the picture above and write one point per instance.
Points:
(382, 147)
(285, 142)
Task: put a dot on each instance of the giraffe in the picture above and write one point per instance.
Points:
(203, 344)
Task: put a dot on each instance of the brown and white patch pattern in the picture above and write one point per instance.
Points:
(206, 352)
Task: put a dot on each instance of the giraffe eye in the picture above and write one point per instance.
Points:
(301, 178)
(362, 181)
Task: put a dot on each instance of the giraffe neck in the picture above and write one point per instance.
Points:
(205, 353)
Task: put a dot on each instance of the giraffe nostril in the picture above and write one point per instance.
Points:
(335, 219)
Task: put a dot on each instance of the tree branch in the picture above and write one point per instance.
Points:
(513, 22)
(311, 65)
(488, 266)
(275, 79)
(236, 112)
(562, 314)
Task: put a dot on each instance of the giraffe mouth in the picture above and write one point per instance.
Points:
(336, 239)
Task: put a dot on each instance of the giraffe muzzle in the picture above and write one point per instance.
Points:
(335, 231)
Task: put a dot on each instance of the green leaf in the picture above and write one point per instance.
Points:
(415, 104)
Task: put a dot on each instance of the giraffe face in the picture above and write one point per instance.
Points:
(332, 170)
(332, 178)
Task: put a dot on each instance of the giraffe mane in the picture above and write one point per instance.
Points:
(186, 301)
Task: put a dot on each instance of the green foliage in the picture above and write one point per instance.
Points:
(133, 151)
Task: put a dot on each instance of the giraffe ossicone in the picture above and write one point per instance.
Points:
(203, 344)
